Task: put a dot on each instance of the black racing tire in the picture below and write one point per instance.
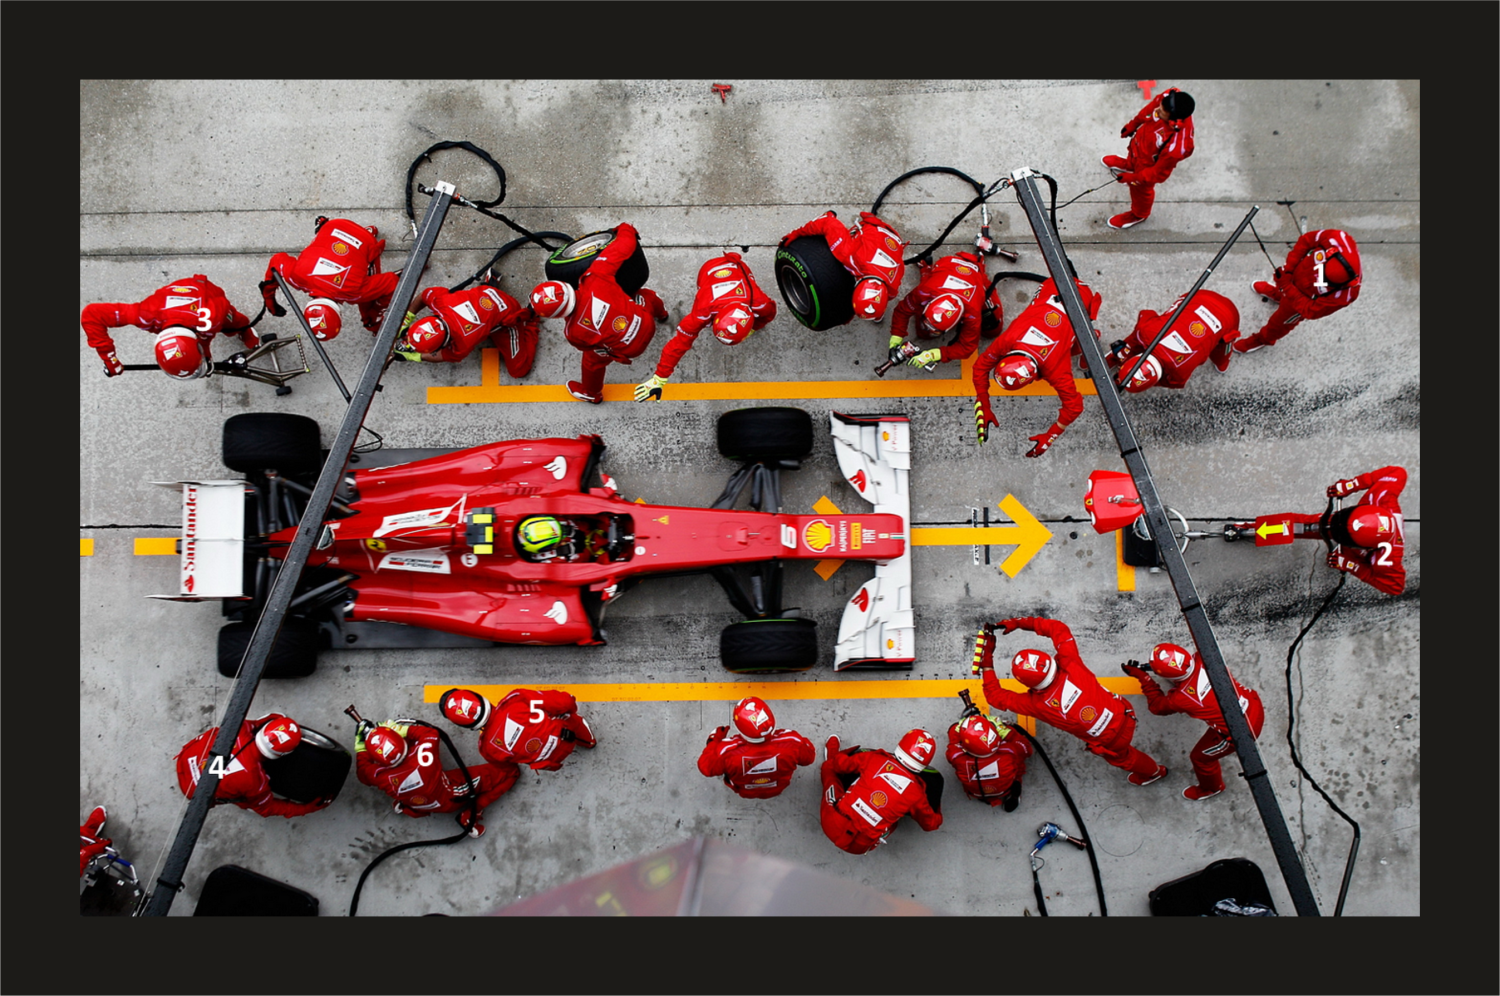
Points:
(317, 769)
(569, 263)
(765, 434)
(293, 655)
(279, 441)
(769, 646)
(815, 286)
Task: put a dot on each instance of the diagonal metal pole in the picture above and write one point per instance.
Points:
(1024, 181)
(268, 627)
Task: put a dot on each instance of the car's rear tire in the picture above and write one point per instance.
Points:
(769, 646)
(569, 263)
(293, 655)
(279, 441)
(317, 769)
(815, 286)
(765, 434)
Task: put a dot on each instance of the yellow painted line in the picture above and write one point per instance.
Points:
(155, 546)
(85, 548)
(1124, 573)
(491, 391)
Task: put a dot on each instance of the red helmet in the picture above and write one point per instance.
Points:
(1171, 661)
(943, 312)
(870, 298)
(752, 717)
(916, 749)
(427, 335)
(465, 708)
(1033, 668)
(553, 299)
(980, 737)
(1369, 526)
(386, 744)
(1147, 376)
(179, 353)
(324, 317)
(1016, 370)
(732, 325)
(1336, 272)
(278, 737)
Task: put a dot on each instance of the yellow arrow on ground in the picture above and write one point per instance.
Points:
(1028, 535)
(1266, 529)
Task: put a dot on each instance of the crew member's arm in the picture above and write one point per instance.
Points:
(96, 320)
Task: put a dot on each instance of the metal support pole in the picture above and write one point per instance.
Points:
(268, 626)
(296, 309)
(1024, 181)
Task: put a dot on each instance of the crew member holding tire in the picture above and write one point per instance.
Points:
(605, 323)
(1192, 693)
(461, 320)
(871, 252)
(1204, 331)
(185, 315)
(866, 792)
(758, 760)
(989, 759)
(1039, 343)
(1161, 136)
(950, 294)
(1322, 274)
(244, 780)
(536, 728)
(1063, 692)
(340, 266)
(728, 300)
(400, 757)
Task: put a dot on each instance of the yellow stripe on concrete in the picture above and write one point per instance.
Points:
(155, 546)
(491, 391)
(85, 547)
(1124, 573)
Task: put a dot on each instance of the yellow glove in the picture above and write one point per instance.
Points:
(926, 358)
(896, 340)
(411, 316)
(650, 388)
(396, 726)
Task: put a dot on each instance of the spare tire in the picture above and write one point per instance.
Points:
(278, 441)
(814, 285)
(569, 263)
(769, 646)
(765, 434)
(317, 769)
(293, 655)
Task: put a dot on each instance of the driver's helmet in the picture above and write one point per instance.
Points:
(539, 534)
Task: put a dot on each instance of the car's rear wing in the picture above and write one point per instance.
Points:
(878, 630)
(213, 540)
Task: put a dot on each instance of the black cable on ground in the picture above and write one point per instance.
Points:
(473, 819)
(512, 244)
(981, 196)
(1082, 830)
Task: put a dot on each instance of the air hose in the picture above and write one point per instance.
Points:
(1082, 829)
(473, 819)
(981, 195)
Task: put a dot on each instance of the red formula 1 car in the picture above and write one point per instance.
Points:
(433, 543)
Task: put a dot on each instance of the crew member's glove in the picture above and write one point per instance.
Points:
(1009, 626)
(1044, 440)
(1128, 177)
(411, 316)
(112, 365)
(1342, 489)
(896, 341)
(650, 388)
(983, 418)
(1128, 130)
(372, 323)
(718, 734)
(319, 222)
(1134, 669)
(268, 294)
(408, 355)
(984, 649)
(397, 726)
(1339, 562)
(925, 358)
(360, 732)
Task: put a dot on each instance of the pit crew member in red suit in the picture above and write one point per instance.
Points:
(602, 322)
(91, 842)
(461, 320)
(244, 782)
(758, 761)
(1190, 692)
(1039, 342)
(195, 304)
(1063, 692)
(989, 759)
(950, 294)
(866, 792)
(1205, 330)
(871, 251)
(1369, 536)
(728, 300)
(1322, 274)
(400, 757)
(1161, 136)
(341, 265)
(537, 729)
